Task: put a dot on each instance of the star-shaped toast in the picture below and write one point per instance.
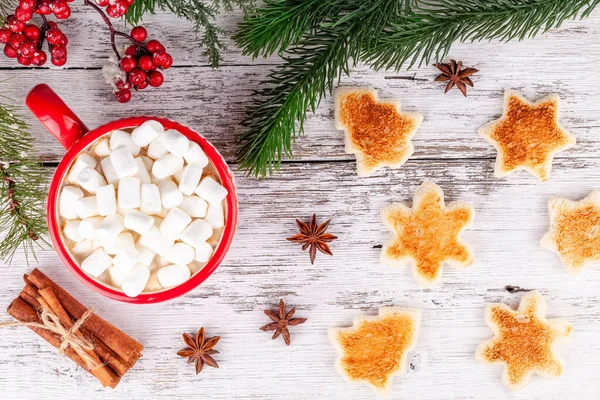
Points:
(374, 349)
(378, 133)
(428, 234)
(527, 136)
(574, 233)
(523, 340)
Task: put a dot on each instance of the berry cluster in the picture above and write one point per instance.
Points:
(26, 9)
(141, 64)
(115, 8)
(24, 42)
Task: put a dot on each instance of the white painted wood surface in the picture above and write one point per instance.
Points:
(262, 267)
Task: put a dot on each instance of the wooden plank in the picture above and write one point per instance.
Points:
(262, 267)
(213, 102)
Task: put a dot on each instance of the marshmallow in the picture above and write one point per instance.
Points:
(146, 254)
(181, 253)
(174, 223)
(175, 143)
(83, 248)
(82, 162)
(162, 261)
(109, 171)
(88, 226)
(135, 282)
(121, 138)
(68, 200)
(146, 133)
(126, 258)
(195, 155)
(109, 229)
(138, 222)
(150, 198)
(87, 207)
(117, 275)
(203, 252)
(142, 173)
(96, 263)
(107, 200)
(166, 166)
(173, 275)
(211, 191)
(123, 241)
(148, 162)
(90, 180)
(102, 149)
(96, 244)
(194, 206)
(123, 162)
(170, 196)
(129, 193)
(156, 241)
(178, 176)
(215, 216)
(197, 233)
(190, 179)
(163, 212)
(156, 150)
(71, 230)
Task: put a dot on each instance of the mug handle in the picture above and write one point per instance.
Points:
(55, 115)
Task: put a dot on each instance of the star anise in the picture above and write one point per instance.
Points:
(281, 321)
(454, 74)
(313, 236)
(200, 350)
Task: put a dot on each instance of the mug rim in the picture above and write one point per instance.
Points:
(227, 180)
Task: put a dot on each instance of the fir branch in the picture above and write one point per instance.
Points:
(6, 8)
(200, 13)
(415, 31)
(22, 190)
(427, 31)
(307, 75)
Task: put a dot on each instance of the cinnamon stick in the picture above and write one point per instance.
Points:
(107, 355)
(105, 374)
(23, 312)
(123, 345)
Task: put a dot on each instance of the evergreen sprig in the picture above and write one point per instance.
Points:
(202, 14)
(308, 35)
(22, 189)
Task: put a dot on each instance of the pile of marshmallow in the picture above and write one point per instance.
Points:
(141, 209)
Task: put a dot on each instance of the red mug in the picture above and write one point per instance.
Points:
(72, 133)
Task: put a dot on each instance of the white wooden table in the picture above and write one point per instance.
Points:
(262, 267)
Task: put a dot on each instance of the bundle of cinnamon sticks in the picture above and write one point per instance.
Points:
(113, 354)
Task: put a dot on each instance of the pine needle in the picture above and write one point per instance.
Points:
(320, 40)
(22, 190)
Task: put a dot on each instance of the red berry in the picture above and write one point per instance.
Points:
(122, 85)
(24, 60)
(142, 85)
(128, 2)
(59, 6)
(168, 61)
(123, 96)
(139, 33)
(117, 10)
(43, 8)
(64, 15)
(145, 63)
(27, 48)
(53, 25)
(5, 35)
(160, 58)
(59, 62)
(137, 76)
(58, 52)
(128, 63)
(156, 79)
(103, 3)
(154, 46)
(14, 24)
(32, 33)
(16, 40)
(131, 50)
(63, 41)
(53, 36)
(10, 51)
(23, 15)
(27, 4)
(39, 58)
